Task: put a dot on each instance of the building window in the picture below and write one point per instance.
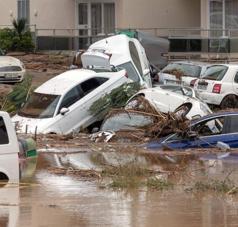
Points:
(23, 9)
(103, 18)
(223, 15)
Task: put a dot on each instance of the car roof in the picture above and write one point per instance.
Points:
(217, 114)
(60, 84)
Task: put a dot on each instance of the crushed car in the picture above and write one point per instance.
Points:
(219, 85)
(179, 99)
(62, 104)
(209, 131)
(123, 52)
(181, 72)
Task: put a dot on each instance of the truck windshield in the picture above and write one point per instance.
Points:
(40, 106)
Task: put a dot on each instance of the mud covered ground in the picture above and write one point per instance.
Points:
(79, 182)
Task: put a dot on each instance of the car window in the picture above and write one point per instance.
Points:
(71, 97)
(236, 78)
(183, 69)
(40, 105)
(209, 127)
(91, 84)
(131, 71)
(135, 57)
(3, 132)
(231, 124)
(205, 128)
(10, 69)
(216, 72)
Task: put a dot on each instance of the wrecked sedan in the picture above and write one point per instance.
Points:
(205, 132)
(61, 105)
(179, 100)
(182, 72)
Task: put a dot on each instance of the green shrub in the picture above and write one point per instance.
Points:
(17, 39)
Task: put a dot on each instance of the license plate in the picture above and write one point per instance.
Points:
(9, 75)
(202, 87)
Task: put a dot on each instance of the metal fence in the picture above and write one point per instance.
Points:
(181, 39)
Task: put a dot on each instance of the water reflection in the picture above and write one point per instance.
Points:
(9, 205)
(59, 201)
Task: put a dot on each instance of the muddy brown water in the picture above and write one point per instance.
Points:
(64, 200)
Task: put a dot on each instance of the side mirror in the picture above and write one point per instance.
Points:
(64, 110)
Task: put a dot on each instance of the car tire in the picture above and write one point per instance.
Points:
(230, 101)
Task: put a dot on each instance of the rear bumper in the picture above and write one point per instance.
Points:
(211, 98)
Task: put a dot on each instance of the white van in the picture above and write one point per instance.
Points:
(125, 53)
(61, 105)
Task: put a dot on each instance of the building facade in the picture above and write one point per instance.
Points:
(89, 18)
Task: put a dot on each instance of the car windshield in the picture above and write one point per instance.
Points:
(216, 72)
(131, 71)
(10, 69)
(184, 69)
(126, 121)
(40, 106)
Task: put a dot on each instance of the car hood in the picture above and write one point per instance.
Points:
(9, 61)
(30, 125)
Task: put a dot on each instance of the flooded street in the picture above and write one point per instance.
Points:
(66, 200)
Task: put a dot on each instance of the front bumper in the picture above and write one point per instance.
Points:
(11, 77)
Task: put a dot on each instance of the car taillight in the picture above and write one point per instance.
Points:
(216, 88)
(192, 82)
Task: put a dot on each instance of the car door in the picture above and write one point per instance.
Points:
(78, 100)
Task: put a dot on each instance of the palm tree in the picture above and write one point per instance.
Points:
(19, 26)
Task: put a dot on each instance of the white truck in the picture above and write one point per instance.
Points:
(17, 156)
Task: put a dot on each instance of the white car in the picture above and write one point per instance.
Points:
(182, 72)
(124, 52)
(61, 105)
(12, 70)
(170, 101)
(219, 85)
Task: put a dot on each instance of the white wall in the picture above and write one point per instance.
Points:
(158, 13)
(52, 13)
(8, 10)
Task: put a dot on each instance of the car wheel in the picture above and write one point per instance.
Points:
(183, 110)
(230, 101)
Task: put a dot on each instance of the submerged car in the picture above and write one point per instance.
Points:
(62, 104)
(182, 72)
(12, 70)
(204, 132)
(172, 99)
(124, 52)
